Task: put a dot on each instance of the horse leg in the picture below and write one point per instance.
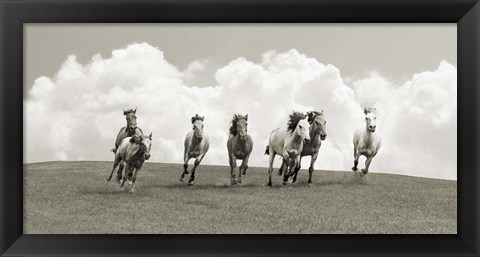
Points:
(115, 164)
(270, 166)
(310, 169)
(356, 154)
(243, 169)
(119, 172)
(288, 171)
(293, 168)
(367, 164)
(196, 163)
(125, 175)
(233, 165)
(282, 168)
(134, 177)
(297, 168)
(185, 165)
(244, 165)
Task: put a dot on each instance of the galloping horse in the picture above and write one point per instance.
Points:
(288, 143)
(239, 145)
(196, 146)
(365, 141)
(317, 134)
(133, 151)
(127, 131)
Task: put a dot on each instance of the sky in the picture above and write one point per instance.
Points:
(78, 78)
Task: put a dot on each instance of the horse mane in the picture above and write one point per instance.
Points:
(312, 115)
(196, 117)
(233, 127)
(368, 110)
(295, 117)
(136, 139)
(127, 111)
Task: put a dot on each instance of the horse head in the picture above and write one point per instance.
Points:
(371, 119)
(131, 119)
(299, 125)
(303, 129)
(239, 125)
(317, 124)
(147, 142)
(197, 122)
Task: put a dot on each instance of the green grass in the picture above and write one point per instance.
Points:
(74, 197)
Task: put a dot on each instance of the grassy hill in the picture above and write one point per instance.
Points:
(74, 197)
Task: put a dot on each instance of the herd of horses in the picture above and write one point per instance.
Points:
(302, 137)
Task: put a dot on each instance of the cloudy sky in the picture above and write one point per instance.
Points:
(78, 78)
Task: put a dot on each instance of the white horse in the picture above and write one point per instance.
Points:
(288, 143)
(365, 141)
(196, 146)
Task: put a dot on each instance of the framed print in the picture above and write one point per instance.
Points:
(239, 128)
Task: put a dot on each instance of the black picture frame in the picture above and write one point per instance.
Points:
(466, 13)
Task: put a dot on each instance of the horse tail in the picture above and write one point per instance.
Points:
(267, 150)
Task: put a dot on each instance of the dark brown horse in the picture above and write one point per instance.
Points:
(133, 151)
(239, 147)
(127, 131)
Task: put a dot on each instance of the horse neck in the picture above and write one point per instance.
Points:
(129, 132)
(368, 136)
(195, 140)
(313, 128)
(296, 138)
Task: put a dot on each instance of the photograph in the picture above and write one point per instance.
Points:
(240, 128)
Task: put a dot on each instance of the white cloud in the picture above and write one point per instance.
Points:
(77, 114)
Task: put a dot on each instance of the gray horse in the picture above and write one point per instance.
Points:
(239, 146)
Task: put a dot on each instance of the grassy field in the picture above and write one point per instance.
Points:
(74, 197)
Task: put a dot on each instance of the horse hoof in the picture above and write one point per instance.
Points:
(364, 172)
(239, 181)
(354, 169)
(284, 183)
(310, 183)
(190, 183)
(186, 172)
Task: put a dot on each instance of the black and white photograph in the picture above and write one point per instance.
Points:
(240, 128)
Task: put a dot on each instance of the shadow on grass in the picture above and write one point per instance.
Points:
(199, 186)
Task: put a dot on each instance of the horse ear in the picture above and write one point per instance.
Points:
(375, 109)
(150, 136)
(365, 110)
(135, 111)
(246, 117)
(124, 112)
